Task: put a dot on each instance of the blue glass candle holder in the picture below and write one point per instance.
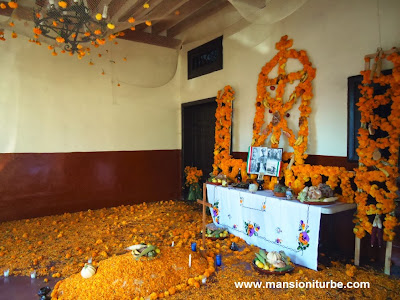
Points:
(218, 259)
(193, 246)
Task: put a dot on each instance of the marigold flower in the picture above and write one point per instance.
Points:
(12, 4)
(60, 39)
(3, 6)
(131, 20)
(14, 35)
(97, 32)
(63, 4)
(148, 23)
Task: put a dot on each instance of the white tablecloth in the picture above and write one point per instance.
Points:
(268, 222)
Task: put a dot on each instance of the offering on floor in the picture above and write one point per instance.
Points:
(219, 233)
(273, 262)
(143, 250)
(317, 194)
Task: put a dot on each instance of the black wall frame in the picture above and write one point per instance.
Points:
(205, 59)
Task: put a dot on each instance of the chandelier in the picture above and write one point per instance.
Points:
(71, 25)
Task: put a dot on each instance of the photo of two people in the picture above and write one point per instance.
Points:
(264, 160)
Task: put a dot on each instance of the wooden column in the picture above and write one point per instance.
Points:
(204, 203)
(388, 257)
(357, 252)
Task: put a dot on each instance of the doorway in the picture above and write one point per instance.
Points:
(198, 130)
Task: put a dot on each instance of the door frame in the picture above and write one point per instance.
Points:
(183, 106)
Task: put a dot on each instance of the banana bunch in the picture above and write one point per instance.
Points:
(140, 250)
(274, 140)
(299, 140)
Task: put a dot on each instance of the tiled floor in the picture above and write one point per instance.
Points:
(22, 288)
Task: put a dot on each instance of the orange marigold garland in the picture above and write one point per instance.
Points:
(376, 175)
(277, 106)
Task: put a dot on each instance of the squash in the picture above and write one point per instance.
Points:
(273, 257)
(88, 271)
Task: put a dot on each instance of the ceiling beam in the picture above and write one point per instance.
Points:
(138, 5)
(202, 14)
(164, 9)
(152, 39)
(184, 11)
(254, 3)
(6, 12)
(99, 8)
(122, 10)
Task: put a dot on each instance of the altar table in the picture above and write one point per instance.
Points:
(271, 223)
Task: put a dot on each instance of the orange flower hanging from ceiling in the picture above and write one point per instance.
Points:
(278, 106)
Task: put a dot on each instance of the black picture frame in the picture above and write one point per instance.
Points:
(354, 115)
(205, 59)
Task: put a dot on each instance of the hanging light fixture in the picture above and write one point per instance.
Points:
(71, 25)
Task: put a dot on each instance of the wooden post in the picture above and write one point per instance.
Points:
(357, 252)
(388, 257)
(204, 203)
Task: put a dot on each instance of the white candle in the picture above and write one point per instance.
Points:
(6, 273)
(190, 260)
(173, 243)
(105, 10)
(90, 260)
(33, 274)
(204, 280)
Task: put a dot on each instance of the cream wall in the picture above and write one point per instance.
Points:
(336, 34)
(61, 104)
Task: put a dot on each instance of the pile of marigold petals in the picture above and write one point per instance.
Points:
(60, 245)
(123, 277)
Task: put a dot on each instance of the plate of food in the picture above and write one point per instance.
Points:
(217, 234)
(272, 263)
(317, 195)
(240, 185)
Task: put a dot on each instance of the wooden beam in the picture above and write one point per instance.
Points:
(152, 39)
(133, 11)
(184, 11)
(123, 8)
(254, 3)
(202, 14)
(6, 12)
(164, 9)
(99, 8)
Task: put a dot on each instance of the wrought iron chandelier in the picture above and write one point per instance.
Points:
(70, 25)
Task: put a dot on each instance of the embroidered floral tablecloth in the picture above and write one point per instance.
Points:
(268, 222)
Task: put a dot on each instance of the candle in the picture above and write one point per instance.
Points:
(105, 10)
(193, 246)
(6, 273)
(190, 260)
(173, 243)
(204, 280)
(33, 274)
(90, 260)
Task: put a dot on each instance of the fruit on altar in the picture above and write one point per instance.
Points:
(88, 271)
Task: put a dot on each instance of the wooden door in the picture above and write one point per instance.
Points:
(198, 129)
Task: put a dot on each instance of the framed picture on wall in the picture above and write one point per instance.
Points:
(264, 160)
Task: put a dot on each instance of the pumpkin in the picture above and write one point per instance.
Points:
(88, 271)
(273, 257)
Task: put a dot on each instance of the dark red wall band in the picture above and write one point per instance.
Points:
(39, 184)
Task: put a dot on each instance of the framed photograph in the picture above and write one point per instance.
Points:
(264, 160)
